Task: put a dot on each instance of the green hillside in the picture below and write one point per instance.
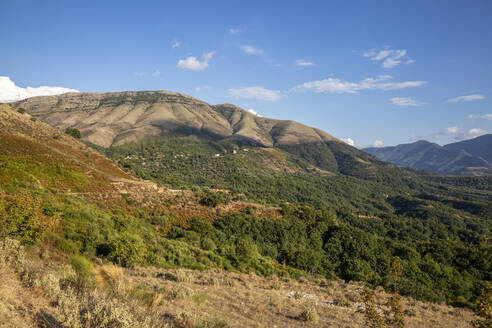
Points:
(342, 213)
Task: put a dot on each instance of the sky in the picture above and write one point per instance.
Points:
(368, 72)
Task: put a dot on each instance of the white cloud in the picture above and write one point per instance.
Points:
(255, 92)
(470, 134)
(335, 85)
(452, 129)
(175, 44)
(252, 111)
(205, 87)
(391, 58)
(235, 30)
(251, 50)
(405, 102)
(156, 73)
(349, 141)
(11, 92)
(193, 64)
(378, 143)
(459, 134)
(302, 62)
(479, 117)
(466, 98)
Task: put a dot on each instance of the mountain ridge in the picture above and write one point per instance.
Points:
(117, 118)
(454, 159)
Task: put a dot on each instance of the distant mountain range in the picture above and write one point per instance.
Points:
(469, 157)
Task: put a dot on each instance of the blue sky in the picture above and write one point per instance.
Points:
(378, 72)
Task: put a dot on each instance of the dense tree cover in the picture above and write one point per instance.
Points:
(325, 242)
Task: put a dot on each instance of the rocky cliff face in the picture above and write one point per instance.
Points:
(116, 118)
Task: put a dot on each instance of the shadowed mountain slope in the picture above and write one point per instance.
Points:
(479, 147)
(462, 158)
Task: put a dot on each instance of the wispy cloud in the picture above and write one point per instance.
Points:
(349, 141)
(256, 92)
(156, 73)
(139, 74)
(479, 117)
(405, 102)
(252, 111)
(336, 85)
(205, 87)
(10, 92)
(390, 58)
(466, 98)
(236, 30)
(302, 62)
(175, 44)
(193, 64)
(251, 50)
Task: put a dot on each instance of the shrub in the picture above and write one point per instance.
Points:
(73, 132)
(214, 199)
(484, 309)
(179, 292)
(24, 218)
(95, 310)
(309, 315)
(84, 271)
(207, 244)
(21, 110)
(127, 250)
(341, 301)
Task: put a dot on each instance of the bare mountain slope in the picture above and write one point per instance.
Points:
(116, 118)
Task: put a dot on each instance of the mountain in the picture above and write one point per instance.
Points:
(478, 147)
(470, 157)
(116, 118)
(121, 119)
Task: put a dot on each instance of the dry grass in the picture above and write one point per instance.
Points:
(36, 294)
(252, 301)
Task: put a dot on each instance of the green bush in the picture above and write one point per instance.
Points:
(73, 132)
(128, 250)
(309, 315)
(207, 244)
(84, 271)
(214, 199)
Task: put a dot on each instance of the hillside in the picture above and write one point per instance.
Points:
(470, 157)
(116, 118)
(282, 211)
